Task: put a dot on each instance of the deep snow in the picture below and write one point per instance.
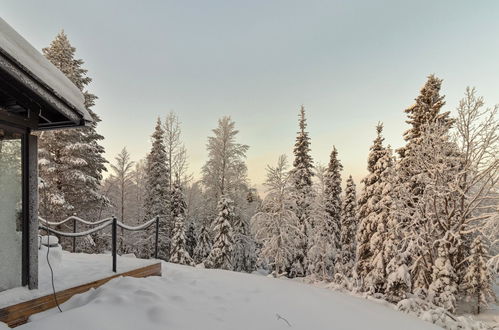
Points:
(195, 298)
(70, 270)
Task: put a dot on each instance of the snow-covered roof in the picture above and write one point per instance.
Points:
(30, 60)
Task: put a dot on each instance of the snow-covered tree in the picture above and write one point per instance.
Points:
(477, 139)
(332, 195)
(221, 255)
(349, 222)
(431, 213)
(276, 225)
(71, 162)
(117, 189)
(244, 250)
(121, 179)
(425, 110)
(176, 152)
(322, 246)
(381, 242)
(157, 192)
(368, 209)
(190, 238)
(302, 194)
(138, 190)
(225, 171)
(178, 249)
(477, 282)
(443, 288)
(203, 246)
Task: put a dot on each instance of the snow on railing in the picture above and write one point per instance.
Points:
(75, 218)
(101, 224)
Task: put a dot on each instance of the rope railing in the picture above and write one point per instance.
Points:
(80, 234)
(137, 228)
(75, 218)
(101, 224)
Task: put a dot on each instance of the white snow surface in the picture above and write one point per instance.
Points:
(34, 62)
(70, 270)
(196, 298)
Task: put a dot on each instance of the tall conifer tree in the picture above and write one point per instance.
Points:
(333, 199)
(303, 194)
(157, 198)
(71, 161)
(368, 200)
(349, 221)
(221, 255)
(178, 248)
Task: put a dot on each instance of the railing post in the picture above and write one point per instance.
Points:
(113, 234)
(157, 238)
(74, 231)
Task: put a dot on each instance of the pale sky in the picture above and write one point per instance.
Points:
(351, 63)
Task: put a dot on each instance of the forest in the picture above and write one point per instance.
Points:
(421, 230)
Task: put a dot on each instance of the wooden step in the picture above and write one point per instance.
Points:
(18, 314)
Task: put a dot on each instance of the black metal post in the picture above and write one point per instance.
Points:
(74, 231)
(157, 238)
(113, 235)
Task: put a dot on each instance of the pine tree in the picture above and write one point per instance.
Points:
(349, 222)
(477, 282)
(178, 251)
(442, 291)
(368, 202)
(157, 197)
(71, 161)
(303, 193)
(221, 255)
(203, 247)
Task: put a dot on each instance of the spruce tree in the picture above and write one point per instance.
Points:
(302, 194)
(203, 246)
(426, 110)
(425, 113)
(333, 201)
(178, 251)
(157, 198)
(368, 202)
(71, 162)
(221, 255)
(443, 288)
(477, 282)
(190, 238)
(381, 246)
(349, 222)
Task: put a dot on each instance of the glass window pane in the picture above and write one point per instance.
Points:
(10, 209)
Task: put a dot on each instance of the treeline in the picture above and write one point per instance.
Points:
(418, 235)
(422, 233)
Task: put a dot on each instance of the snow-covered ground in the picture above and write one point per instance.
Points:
(196, 298)
(70, 270)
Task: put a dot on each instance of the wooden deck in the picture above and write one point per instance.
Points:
(18, 314)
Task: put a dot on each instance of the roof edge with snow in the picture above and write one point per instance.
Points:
(53, 91)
